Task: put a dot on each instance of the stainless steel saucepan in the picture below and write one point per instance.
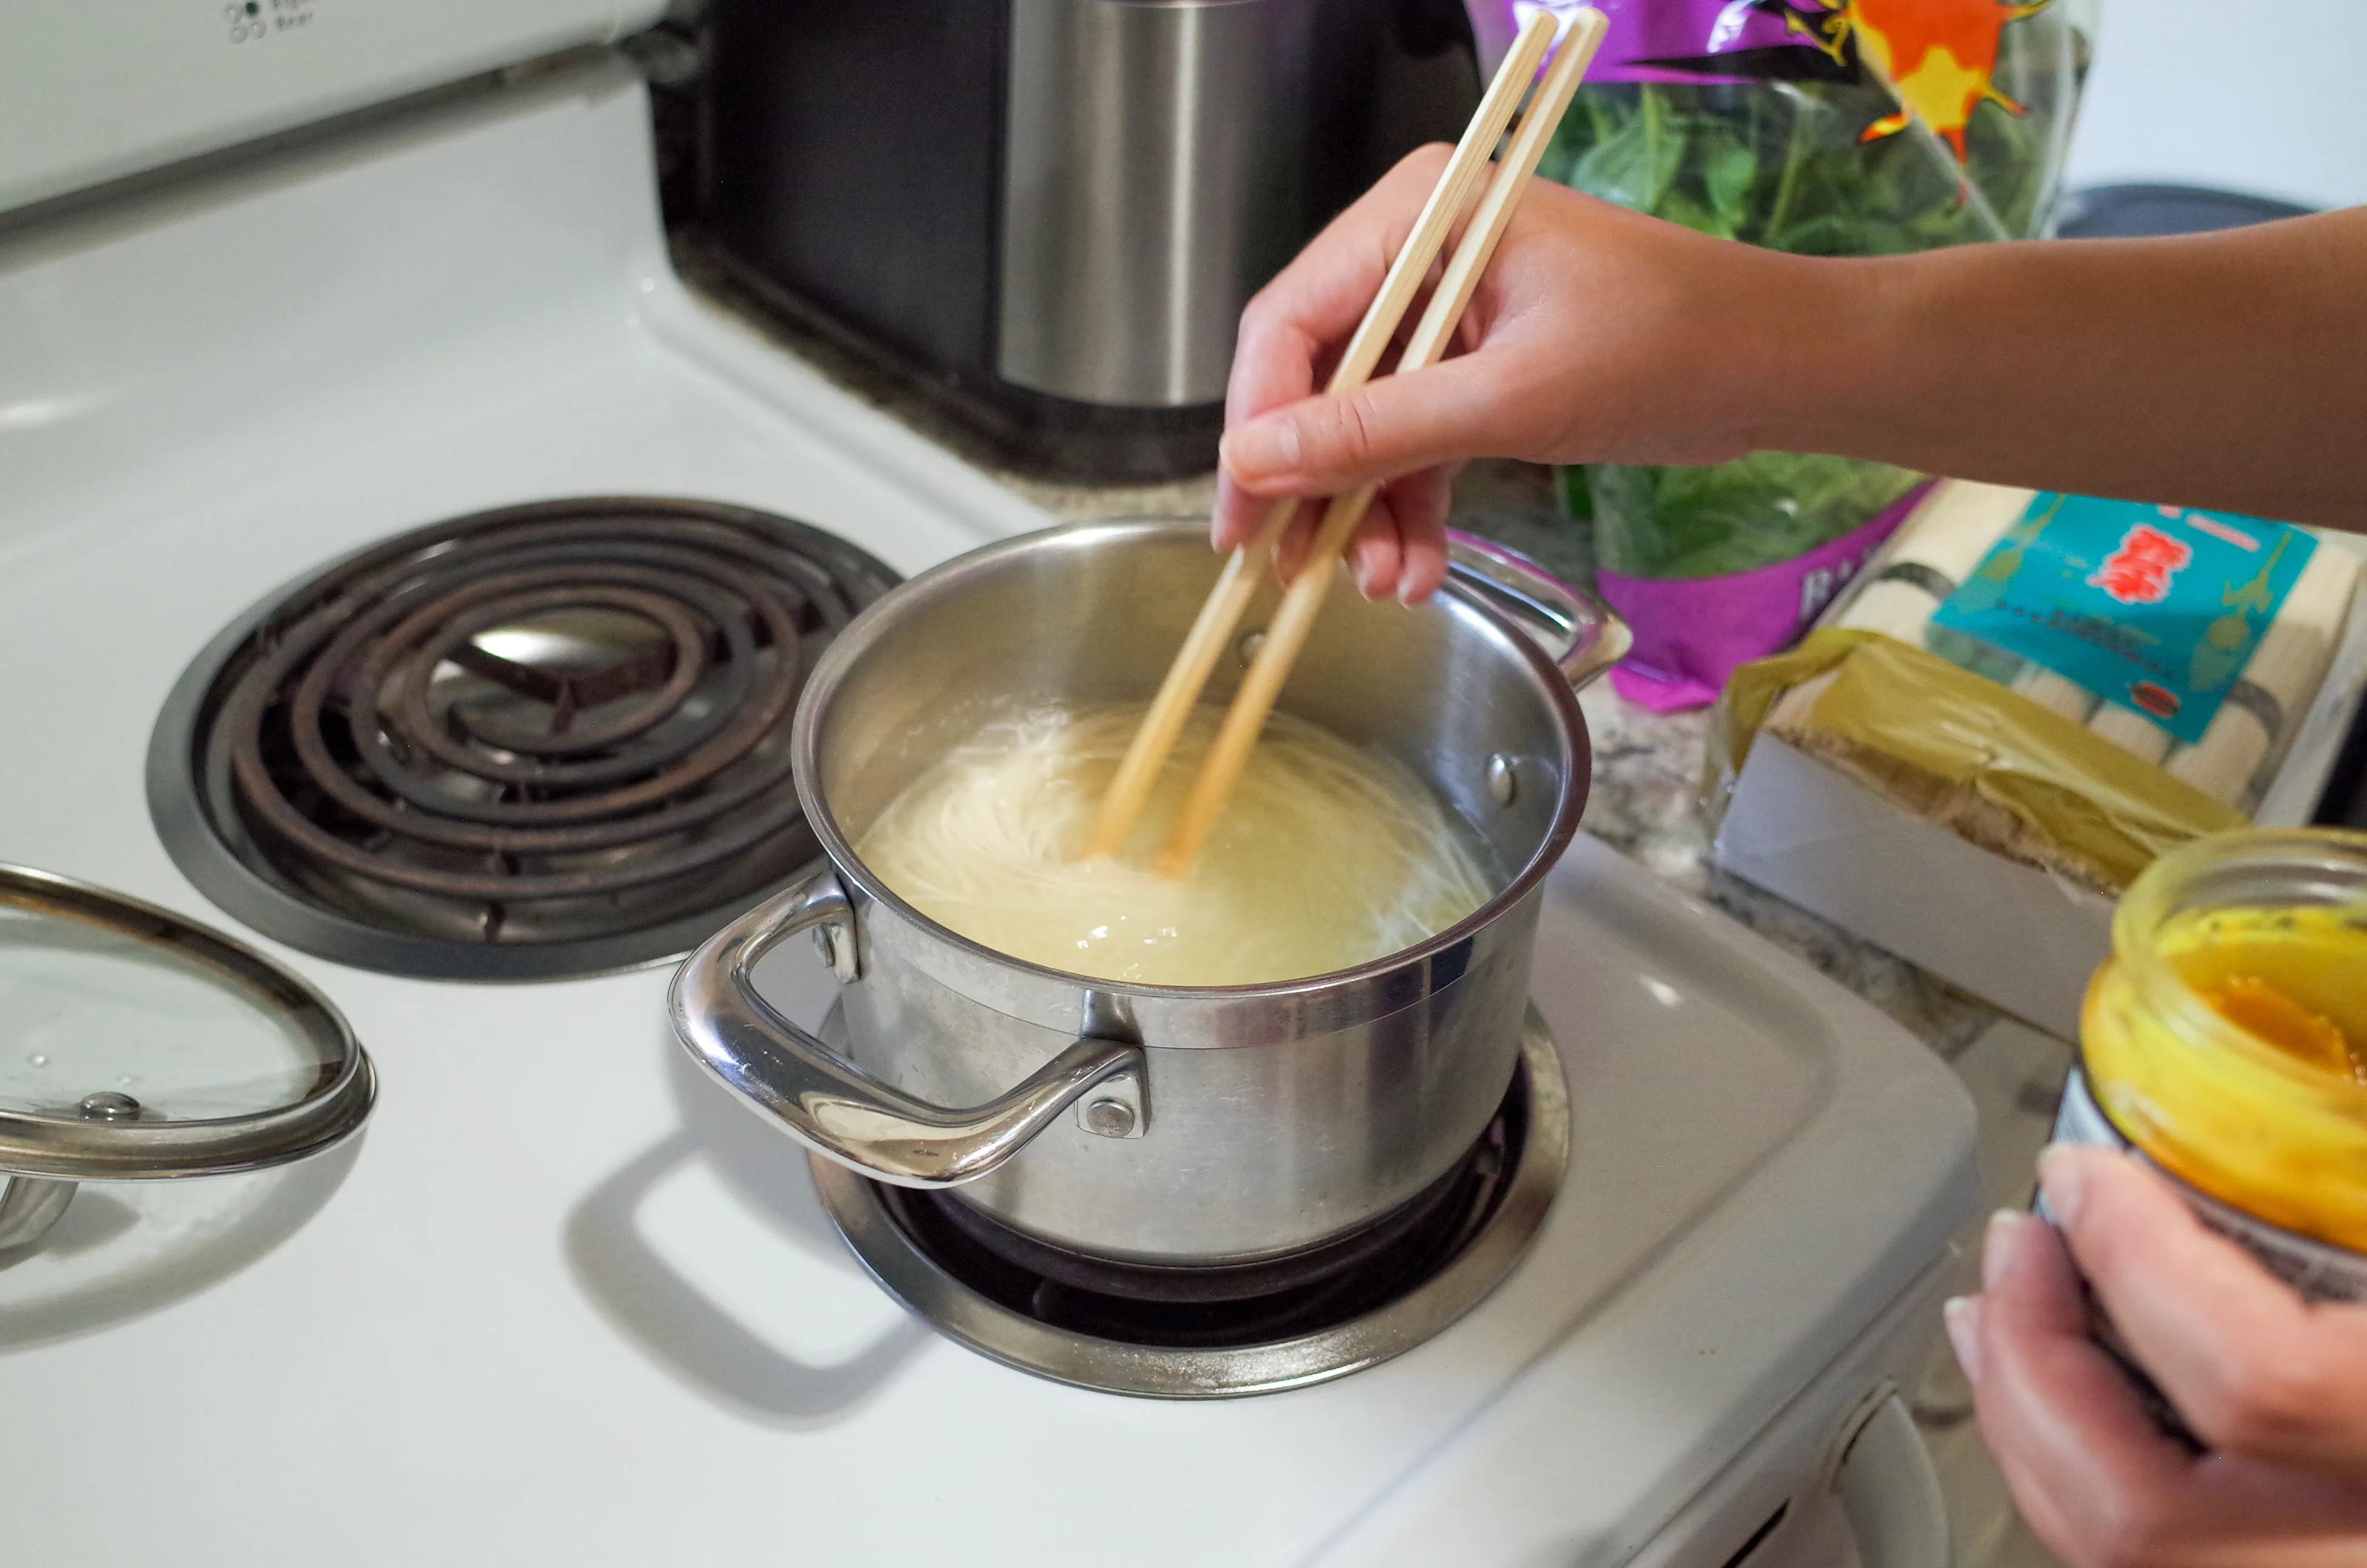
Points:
(1162, 1124)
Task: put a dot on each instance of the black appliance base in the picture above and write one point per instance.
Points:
(994, 424)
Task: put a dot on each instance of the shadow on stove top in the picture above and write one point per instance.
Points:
(126, 1249)
(670, 1319)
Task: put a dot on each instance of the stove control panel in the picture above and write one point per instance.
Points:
(91, 93)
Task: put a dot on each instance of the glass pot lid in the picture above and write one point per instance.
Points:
(135, 1043)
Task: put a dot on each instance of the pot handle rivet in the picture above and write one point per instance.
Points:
(1503, 780)
(1118, 1107)
(834, 945)
(1109, 1118)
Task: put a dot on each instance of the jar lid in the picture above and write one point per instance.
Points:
(135, 1043)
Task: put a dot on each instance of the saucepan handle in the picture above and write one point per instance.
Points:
(1578, 629)
(827, 1103)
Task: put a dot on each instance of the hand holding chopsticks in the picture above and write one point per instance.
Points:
(1146, 755)
(1287, 634)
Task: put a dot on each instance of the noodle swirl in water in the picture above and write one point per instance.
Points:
(1328, 855)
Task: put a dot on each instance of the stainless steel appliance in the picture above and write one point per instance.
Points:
(1045, 215)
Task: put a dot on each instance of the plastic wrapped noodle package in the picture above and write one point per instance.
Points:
(2077, 683)
(2084, 606)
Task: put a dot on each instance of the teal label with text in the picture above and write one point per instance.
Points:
(2157, 608)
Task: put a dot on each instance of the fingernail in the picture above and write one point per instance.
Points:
(2063, 1179)
(1262, 447)
(1364, 575)
(1962, 1315)
(2005, 1230)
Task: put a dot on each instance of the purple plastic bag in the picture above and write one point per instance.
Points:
(1691, 632)
(1673, 40)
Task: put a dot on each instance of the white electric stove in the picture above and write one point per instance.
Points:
(565, 1303)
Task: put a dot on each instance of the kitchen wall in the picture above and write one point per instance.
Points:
(2260, 95)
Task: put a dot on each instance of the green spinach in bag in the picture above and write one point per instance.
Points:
(1843, 128)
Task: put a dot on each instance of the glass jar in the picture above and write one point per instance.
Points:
(2269, 1114)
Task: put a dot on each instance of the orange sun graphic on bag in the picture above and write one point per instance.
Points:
(1937, 55)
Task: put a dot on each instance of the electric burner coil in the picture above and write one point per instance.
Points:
(544, 741)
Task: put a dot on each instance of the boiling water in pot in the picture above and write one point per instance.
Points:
(1327, 857)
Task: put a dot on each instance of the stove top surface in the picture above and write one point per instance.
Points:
(565, 1300)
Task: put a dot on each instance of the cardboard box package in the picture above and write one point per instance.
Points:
(2008, 932)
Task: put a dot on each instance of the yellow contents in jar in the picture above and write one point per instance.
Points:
(2253, 1005)
(2257, 1096)
(1327, 857)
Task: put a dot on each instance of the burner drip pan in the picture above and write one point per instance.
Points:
(1219, 1332)
(550, 739)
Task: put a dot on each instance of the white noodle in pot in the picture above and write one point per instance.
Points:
(1327, 857)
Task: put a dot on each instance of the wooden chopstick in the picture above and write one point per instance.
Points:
(1230, 600)
(1287, 633)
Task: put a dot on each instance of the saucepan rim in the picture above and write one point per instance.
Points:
(880, 621)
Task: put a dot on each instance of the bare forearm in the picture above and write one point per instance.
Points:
(2215, 371)
(2223, 370)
